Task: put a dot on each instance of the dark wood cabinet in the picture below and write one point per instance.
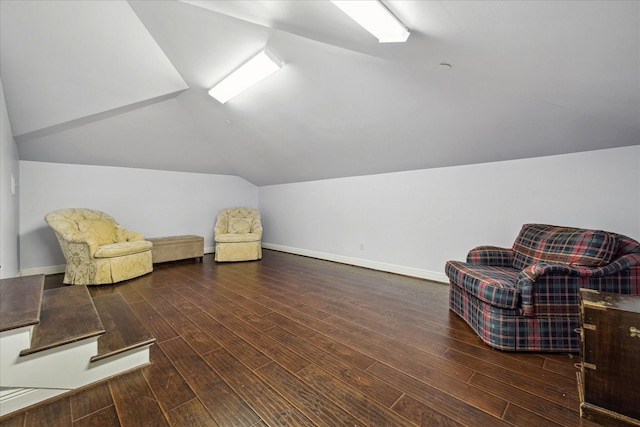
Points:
(609, 376)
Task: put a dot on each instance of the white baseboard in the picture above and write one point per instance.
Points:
(14, 399)
(53, 269)
(374, 265)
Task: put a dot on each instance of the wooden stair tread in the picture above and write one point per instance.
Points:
(67, 315)
(124, 331)
(20, 301)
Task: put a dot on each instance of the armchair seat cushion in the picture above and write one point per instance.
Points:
(122, 248)
(493, 285)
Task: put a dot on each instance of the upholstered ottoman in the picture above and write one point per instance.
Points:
(175, 248)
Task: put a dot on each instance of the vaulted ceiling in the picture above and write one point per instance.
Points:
(124, 83)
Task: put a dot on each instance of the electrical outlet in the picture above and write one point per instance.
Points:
(362, 246)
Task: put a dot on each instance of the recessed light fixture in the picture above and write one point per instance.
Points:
(251, 72)
(374, 17)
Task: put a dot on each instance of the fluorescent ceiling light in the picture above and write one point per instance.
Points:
(374, 17)
(251, 72)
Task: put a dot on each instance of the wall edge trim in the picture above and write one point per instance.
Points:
(52, 269)
(359, 262)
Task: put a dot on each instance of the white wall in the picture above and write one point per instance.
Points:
(9, 203)
(413, 222)
(156, 203)
(408, 222)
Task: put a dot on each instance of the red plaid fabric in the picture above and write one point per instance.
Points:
(540, 242)
(491, 255)
(536, 307)
(507, 329)
(494, 285)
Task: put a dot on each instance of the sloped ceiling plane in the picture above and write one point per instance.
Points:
(125, 83)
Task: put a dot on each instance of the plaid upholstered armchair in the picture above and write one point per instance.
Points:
(526, 298)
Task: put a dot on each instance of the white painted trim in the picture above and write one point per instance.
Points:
(374, 265)
(53, 269)
(14, 399)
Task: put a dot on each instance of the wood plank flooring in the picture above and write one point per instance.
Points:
(294, 341)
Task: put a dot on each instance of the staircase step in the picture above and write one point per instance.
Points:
(67, 315)
(20, 301)
(124, 331)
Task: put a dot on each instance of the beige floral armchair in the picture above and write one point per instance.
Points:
(238, 235)
(97, 250)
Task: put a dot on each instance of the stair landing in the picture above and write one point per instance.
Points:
(20, 301)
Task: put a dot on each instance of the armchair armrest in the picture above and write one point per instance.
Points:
(622, 263)
(563, 280)
(491, 256)
(124, 235)
(539, 280)
(534, 271)
(221, 226)
(256, 226)
(81, 241)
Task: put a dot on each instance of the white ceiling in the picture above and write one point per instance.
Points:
(125, 84)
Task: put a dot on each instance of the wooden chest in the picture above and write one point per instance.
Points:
(609, 376)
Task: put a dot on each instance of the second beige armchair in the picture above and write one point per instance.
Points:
(238, 235)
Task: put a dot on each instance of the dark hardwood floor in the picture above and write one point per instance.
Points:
(294, 341)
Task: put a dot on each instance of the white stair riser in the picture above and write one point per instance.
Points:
(20, 398)
(118, 363)
(15, 339)
(65, 373)
(59, 367)
(66, 366)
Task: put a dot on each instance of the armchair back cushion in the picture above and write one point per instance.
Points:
(239, 225)
(574, 246)
(103, 230)
(238, 220)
